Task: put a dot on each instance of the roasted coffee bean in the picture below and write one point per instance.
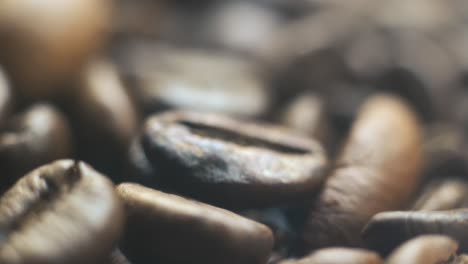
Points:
(338, 255)
(195, 79)
(168, 228)
(231, 162)
(429, 249)
(6, 98)
(43, 45)
(102, 103)
(387, 230)
(378, 170)
(63, 212)
(39, 135)
(443, 194)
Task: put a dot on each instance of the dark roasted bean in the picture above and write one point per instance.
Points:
(231, 162)
(429, 249)
(378, 170)
(63, 212)
(177, 230)
(387, 230)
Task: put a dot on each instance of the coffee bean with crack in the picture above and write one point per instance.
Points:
(378, 170)
(338, 255)
(171, 229)
(398, 226)
(231, 162)
(38, 135)
(428, 249)
(62, 212)
(443, 194)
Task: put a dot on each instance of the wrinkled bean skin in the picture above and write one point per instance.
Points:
(338, 255)
(429, 249)
(62, 212)
(177, 230)
(369, 176)
(39, 135)
(230, 162)
(399, 226)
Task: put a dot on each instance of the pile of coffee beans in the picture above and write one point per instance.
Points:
(233, 132)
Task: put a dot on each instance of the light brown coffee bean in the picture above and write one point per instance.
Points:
(378, 170)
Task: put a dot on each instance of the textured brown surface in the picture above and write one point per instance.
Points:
(397, 227)
(63, 212)
(232, 162)
(171, 229)
(378, 170)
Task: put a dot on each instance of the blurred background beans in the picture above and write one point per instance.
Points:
(271, 109)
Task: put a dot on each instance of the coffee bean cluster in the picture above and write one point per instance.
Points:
(233, 132)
